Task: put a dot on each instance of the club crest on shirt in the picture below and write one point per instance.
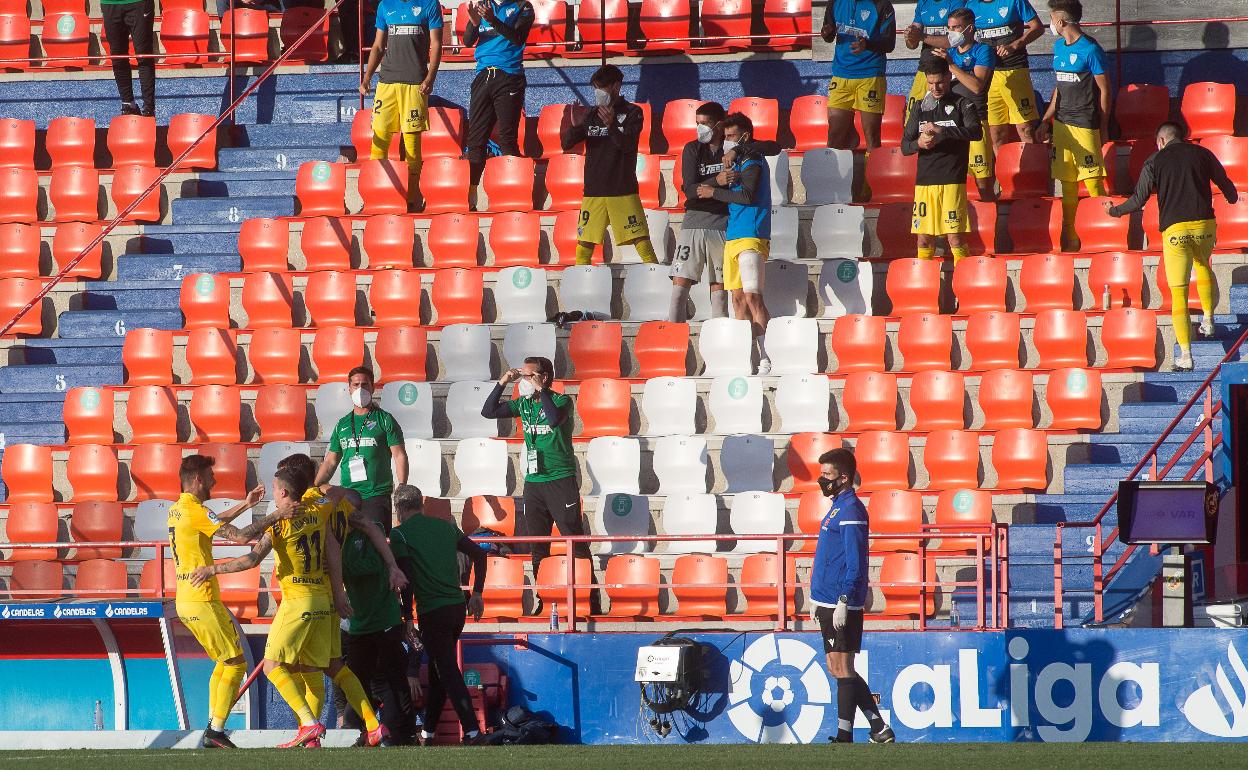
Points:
(864, 15)
(948, 109)
(370, 424)
(1003, 11)
(943, 12)
(1073, 57)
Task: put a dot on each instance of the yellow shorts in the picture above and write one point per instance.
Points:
(335, 640)
(1011, 98)
(213, 627)
(732, 257)
(939, 209)
(980, 158)
(1076, 153)
(623, 212)
(1184, 243)
(918, 89)
(399, 107)
(861, 94)
(301, 631)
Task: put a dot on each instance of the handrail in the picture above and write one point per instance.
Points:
(1212, 441)
(166, 172)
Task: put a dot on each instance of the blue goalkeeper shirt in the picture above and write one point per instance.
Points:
(840, 563)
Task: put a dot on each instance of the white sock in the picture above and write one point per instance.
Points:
(677, 303)
(719, 303)
(762, 348)
(426, 735)
(472, 733)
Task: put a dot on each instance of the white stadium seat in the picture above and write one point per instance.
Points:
(647, 291)
(746, 463)
(614, 465)
(151, 523)
(757, 513)
(669, 405)
(218, 506)
(680, 463)
(784, 226)
(828, 176)
(481, 466)
(845, 286)
(803, 402)
(464, 351)
(838, 230)
(658, 223)
(736, 404)
(793, 345)
(463, 409)
(424, 466)
(690, 514)
(522, 340)
(618, 514)
(586, 287)
(411, 404)
(726, 345)
(781, 177)
(785, 287)
(273, 453)
(333, 400)
(520, 295)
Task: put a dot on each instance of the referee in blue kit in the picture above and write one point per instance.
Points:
(499, 30)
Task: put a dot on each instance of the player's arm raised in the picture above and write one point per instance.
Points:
(244, 535)
(243, 563)
(252, 499)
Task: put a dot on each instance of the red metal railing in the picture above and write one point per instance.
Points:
(991, 583)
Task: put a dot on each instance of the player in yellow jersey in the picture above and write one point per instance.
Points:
(192, 528)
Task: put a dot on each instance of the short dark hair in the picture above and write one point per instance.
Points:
(843, 460)
(1072, 8)
(301, 464)
(607, 75)
(291, 480)
(192, 467)
(1172, 130)
(408, 497)
(713, 110)
(965, 14)
(362, 370)
(741, 121)
(935, 66)
(544, 366)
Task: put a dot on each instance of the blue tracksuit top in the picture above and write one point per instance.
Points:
(840, 564)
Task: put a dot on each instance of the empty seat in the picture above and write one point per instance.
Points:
(747, 463)
(27, 473)
(603, 405)
(19, 194)
(1122, 273)
(785, 288)
(908, 584)
(40, 581)
(400, 352)
(586, 288)
(395, 298)
(337, 350)
(74, 192)
(263, 244)
(1061, 339)
(463, 411)
(508, 183)
(515, 237)
(92, 472)
(31, 522)
(326, 243)
(1139, 109)
(1097, 230)
(1023, 170)
(937, 399)
(519, 295)
(883, 460)
(1035, 225)
(1209, 109)
(490, 512)
(382, 185)
(565, 181)
(17, 142)
(614, 465)
(828, 176)
(184, 35)
(680, 463)
(595, 348)
(70, 141)
(700, 584)
(846, 286)
(152, 413)
(925, 341)
(550, 122)
(1129, 335)
(979, 283)
(15, 295)
(330, 298)
(736, 404)
(464, 350)
(662, 348)
(678, 124)
(633, 584)
(858, 342)
(1047, 281)
(456, 296)
(890, 175)
(205, 301)
(96, 521)
(968, 508)
(993, 339)
(148, 357)
(19, 250)
(803, 402)
(895, 512)
(726, 346)
(71, 240)
(756, 513)
(411, 404)
(88, 416)
(803, 455)
(389, 240)
(155, 582)
(764, 113)
(274, 356)
(1020, 457)
(211, 355)
(668, 405)
(870, 401)
(1233, 152)
(837, 230)
(913, 286)
(552, 573)
(1074, 398)
(1005, 398)
(100, 579)
(281, 413)
(321, 188)
(689, 515)
(268, 299)
(132, 140)
(522, 340)
(618, 514)
(760, 578)
(452, 240)
(808, 122)
(504, 589)
(229, 469)
(246, 30)
(424, 459)
(184, 130)
(952, 459)
(793, 345)
(647, 291)
(134, 195)
(444, 185)
(596, 19)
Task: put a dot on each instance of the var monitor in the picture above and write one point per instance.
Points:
(1167, 512)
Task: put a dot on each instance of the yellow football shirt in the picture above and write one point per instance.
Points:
(299, 545)
(191, 527)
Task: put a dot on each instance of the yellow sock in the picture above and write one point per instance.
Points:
(356, 696)
(1070, 205)
(214, 682)
(584, 253)
(411, 152)
(1180, 318)
(227, 687)
(292, 693)
(314, 690)
(926, 252)
(1096, 186)
(1204, 285)
(645, 249)
(959, 253)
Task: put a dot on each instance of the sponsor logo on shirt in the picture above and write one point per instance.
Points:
(846, 29)
(994, 32)
(1067, 77)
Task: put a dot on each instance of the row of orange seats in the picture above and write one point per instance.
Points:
(74, 194)
(131, 141)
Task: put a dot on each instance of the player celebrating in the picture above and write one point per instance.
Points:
(864, 31)
(745, 185)
(1008, 26)
(940, 129)
(700, 244)
(192, 528)
(927, 32)
(1079, 111)
(408, 48)
(838, 590)
(971, 63)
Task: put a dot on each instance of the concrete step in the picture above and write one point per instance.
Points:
(31, 407)
(272, 159)
(106, 351)
(1172, 387)
(164, 267)
(103, 323)
(33, 432)
(241, 184)
(221, 238)
(321, 134)
(1113, 448)
(1054, 508)
(57, 378)
(132, 295)
(204, 211)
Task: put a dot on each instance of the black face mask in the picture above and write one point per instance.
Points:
(829, 487)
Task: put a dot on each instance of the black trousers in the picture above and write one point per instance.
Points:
(553, 503)
(349, 19)
(497, 97)
(440, 630)
(380, 663)
(123, 25)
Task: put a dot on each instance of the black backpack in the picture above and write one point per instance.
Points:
(522, 727)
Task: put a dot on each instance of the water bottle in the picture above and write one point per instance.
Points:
(954, 620)
(1105, 298)
(554, 616)
(99, 715)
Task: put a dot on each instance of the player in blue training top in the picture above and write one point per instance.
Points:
(931, 22)
(864, 31)
(1008, 26)
(838, 590)
(1078, 112)
(971, 65)
(408, 48)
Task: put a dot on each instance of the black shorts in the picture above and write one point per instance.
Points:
(848, 639)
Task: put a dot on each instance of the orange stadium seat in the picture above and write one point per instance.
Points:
(858, 341)
(88, 416)
(1122, 273)
(937, 398)
(811, 508)
(789, 22)
(895, 512)
(452, 240)
(515, 238)
(184, 35)
(15, 37)
(75, 194)
(216, 413)
(504, 589)
(902, 579)
(980, 284)
(1233, 152)
(70, 240)
(891, 127)
(1099, 231)
(662, 24)
(362, 137)
(395, 298)
(553, 573)
(925, 341)
(564, 236)
(1232, 223)
(802, 457)
(1005, 397)
(725, 27)
(268, 300)
(19, 250)
(1074, 398)
(1020, 457)
(389, 240)
(1129, 335)
(1141, 151)
(100, 579)
(240, 591)
(205, 301)
(963, 508)
(550, 122)
(150, 579)
(273, 355)
(382, 185)
(130, 183)
(1034, 225)
(890, 175)
(184, 130)
(17, 143)
(994, 339)
(444, 185)
(662, 349)
(70, 142)
(296, 21)
(448, 126)
(952, 459)
(321, 189)
(19, 195)
(1139, 109)
(699, 583)
(92, 472)
(883, 460)
(602, 26)
(264, 244)
(248, 29)
(808, 122)
(336, 351)
(456, 296)
(649, 182)
(595, 348)
(913, 286)
(32, 522)
(1209, 109)
(15, 294)
(281, 413)
(211, 356)
(508, 183)
(330, 298)
(678, 123)
(229, 470)
(96, 522)
(760, 578)
(1023, 170)
(982, 238)
(633, 582)
(152, 413)
(764, 113)
(148, 357)
(490, 512)
(604, 405)
(550, 26)
(326, 243)
(1047, 282)
(1061, 338)
(870, 401)
(40, 581)
(565, 181)
(131, 141)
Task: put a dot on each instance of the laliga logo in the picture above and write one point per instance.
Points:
(1208, 714)
(789, 706)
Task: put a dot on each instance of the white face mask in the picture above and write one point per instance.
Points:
(956, 38)
(705, 133)
(526, 388)
(730, 145)
(1053, 29)
(602, 98)
(361, 397)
